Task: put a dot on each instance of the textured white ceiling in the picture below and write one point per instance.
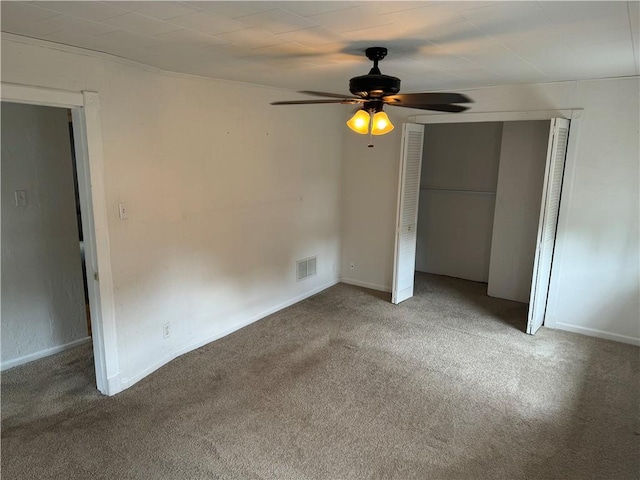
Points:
(306, 45)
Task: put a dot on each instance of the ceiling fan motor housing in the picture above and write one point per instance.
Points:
(374, 86)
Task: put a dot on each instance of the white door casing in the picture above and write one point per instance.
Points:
(407, 214)
(548, 222)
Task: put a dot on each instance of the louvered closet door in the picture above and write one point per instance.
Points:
(406, 226)
(556, 153)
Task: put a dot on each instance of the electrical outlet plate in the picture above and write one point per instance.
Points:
(21, 198)
(123, 212)
(166, 330)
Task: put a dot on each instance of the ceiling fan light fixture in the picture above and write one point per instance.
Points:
(359, 123)
(381, 124)
(373, 91)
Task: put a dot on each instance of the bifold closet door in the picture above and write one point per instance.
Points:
(407, 217)
(556, 154)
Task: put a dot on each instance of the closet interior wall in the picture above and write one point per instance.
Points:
(457, 199)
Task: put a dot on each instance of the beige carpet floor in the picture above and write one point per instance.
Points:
(344, 385)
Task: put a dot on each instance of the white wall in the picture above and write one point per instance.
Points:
(369, 208)
(455, 221)
(595, 280)
(224, 193)
(515, 225)
(43, 306)
(461, 156)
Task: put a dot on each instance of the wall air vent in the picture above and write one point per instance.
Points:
(305, 268)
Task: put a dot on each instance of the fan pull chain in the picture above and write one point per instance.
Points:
(370, 145)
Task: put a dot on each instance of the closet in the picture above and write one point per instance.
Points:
(481, 187)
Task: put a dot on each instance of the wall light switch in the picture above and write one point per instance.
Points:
(123, 211)
(21, 198)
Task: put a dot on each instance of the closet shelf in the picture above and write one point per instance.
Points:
(450, 190)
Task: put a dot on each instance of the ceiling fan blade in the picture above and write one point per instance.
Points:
(326, 94)
(435, 108)
(345, 101)
(435, 98)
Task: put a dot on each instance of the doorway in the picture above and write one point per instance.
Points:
(85, 112)
(45, 307)
(484, 206)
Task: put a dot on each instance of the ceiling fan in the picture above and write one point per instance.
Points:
(374, 90)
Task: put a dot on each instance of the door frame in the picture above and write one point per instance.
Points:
(575, 115)
(87, 131)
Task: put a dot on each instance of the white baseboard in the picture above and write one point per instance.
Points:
(136, 377)
(597, 333)
(42, 353)
(114, 385)
(372, 286)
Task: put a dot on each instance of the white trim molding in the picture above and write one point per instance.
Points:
(591, 332)
(42, 353)
(89, 145)
(371, 286)
(506, 116)
(48, 97)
